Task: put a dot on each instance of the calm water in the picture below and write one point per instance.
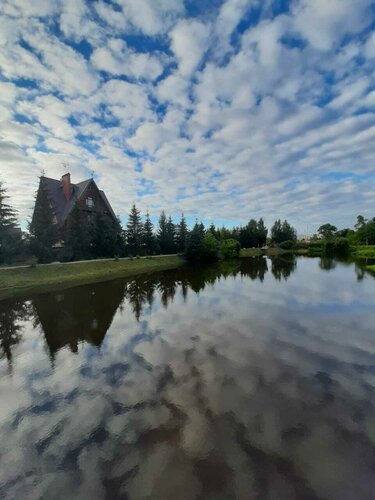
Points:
(238, 381)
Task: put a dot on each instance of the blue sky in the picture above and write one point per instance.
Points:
(224, 110)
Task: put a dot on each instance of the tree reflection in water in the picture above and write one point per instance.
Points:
(12, 313)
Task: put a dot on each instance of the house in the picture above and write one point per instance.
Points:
(65, 196)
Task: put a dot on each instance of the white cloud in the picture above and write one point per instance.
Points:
(324, 23)
(189, 42)
(155, 16)
(370, 46)
(118, 59)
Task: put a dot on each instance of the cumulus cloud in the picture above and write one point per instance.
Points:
(234, 101)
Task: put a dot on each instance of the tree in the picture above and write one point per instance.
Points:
(361, 222)
(162, 237)
(170, 236)
(181, 234)
(194, 244)
(79, 239)
(282, 231)
(148, 236)
(10, 234)
(262, 232)
(327, 231)
(134, 232)
(106, 236)
(230, 248)
(366, 233)
(43, 226)
(210, 246)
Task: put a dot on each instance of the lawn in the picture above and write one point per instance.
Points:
(49, 277)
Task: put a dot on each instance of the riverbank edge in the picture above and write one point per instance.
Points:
(270, 252)
(44, 278)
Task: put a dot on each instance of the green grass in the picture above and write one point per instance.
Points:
(49, 277)
(271, 252)
(367, 252)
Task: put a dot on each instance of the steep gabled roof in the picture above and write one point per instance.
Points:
(62, 207)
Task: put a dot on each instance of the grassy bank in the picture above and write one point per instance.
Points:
(364, 252)
(50, 277)
(271, 252)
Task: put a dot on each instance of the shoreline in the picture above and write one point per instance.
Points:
(43, 278)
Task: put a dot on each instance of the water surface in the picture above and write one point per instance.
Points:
(251, 379)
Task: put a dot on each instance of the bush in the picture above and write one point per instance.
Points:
(336, 246)
(287, 245)
(210, 247)
(230, 249)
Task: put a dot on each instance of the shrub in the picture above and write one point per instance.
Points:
(230, 248)
(287, 245)
(342, 246)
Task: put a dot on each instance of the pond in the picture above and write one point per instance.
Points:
(248, 379)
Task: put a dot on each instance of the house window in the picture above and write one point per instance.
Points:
(89, 202)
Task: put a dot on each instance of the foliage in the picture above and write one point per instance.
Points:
(10, 234)
(211, 246)
(181, 234)
(134, 232)
(366, 233)
(336, 246)
(170, 246)
(43, 227)
(230, 248)
(149, 241)
(287, 245)
(282, 231)
(106, 237)
(327, 231)
(194, 249)
(78, 242)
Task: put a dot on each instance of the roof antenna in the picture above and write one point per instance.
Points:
(92, 174)
(65, 167)
(42, 172)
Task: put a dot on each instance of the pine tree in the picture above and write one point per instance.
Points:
(170, 236)
(162, 233)
(43, 227)
(79, 238)
(195, 244)
(181, 234)
(134, 232)
(106, 236)
(10, 236)
(262, 232)
(148, 236)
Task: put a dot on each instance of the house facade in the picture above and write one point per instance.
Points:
(64, 196)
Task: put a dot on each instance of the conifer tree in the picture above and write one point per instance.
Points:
(162, 233)
(134, 232)
(195, 243)
(79, 237)
(106, 236)
(170, 236)
(43, 227)
(148, 236)
(181, 234)
(10, 237)
(262, 232)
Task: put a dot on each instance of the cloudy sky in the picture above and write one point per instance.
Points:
(225, 110)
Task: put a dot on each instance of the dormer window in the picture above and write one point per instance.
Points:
(89, 202)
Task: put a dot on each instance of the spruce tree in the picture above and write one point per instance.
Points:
(134, 232)
(194, 250)
(79, 237)
(170, 236)
(181, 234)
(10, 235)
(148, 236)
(43, 227)
(162, 233)
(106, 237)
(262, 232)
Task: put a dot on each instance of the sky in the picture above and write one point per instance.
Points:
(225, 110)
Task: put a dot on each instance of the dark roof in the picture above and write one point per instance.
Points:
(62, 206)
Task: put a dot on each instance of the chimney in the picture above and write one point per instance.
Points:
(66, 185)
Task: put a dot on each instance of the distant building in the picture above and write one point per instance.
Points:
(65, 196)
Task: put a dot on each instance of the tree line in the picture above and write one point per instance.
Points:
(101, 237)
